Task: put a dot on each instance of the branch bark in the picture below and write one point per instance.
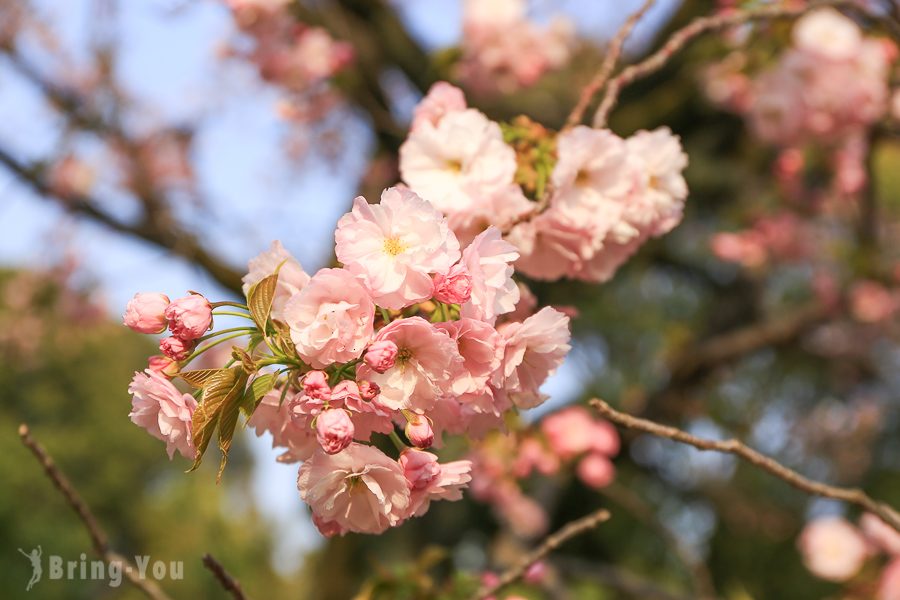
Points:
(678, 40)
(550, 544)
(228, 583)
(768, 464)
(99, 539)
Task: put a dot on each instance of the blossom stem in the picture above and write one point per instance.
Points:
(227, 303)
(224, 331)
(398, 443)
(385, 315)
(200, 351)
(228, 313)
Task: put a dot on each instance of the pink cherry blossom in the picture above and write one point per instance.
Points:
(426, 359)
(368, 390)
(569, 432)
(429, 480)
(315, 385)
(827, 33)
(871, 302)
(595, 470)
(457, 162)
(442, 98)
(334, 430)
(381, 355)
(481, 349)
(453, 287)
(293, 434)
(880, 534)
(832, 548)
(489, 261)
(291, 276)
(175, 348)
(662, 192)
(189, 317)
(166, 413)
(361, 489)
(534, 349)
(163, 364)
(331, 319)
(394, 246)
(889, 584)
(145, 313)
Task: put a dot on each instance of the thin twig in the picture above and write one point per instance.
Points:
(683, 36)
(229, 583)
(850, 495)
(609, 63)
(99, 539)
(551, 543)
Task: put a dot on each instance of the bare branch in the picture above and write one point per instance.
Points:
(98, 537)
(550, 544)
(606, 68)
(229, 583)
(853, 496)
(686, 34)
(164, 233)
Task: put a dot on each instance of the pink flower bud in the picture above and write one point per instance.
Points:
(535, 573)
(596, 471)
(419, 433)
(368, 390)
(419, 467)
(145, 313)
(334, 430)
(315, 385)
(189, 317)
(176, 348)
(455, 287)
(164, 365)
(381, 355)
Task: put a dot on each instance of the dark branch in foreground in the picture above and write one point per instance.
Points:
(850, 495)
(99, 540)
(228, 583)
(550, 544)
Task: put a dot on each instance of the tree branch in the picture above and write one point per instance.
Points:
(550, 544)
(683, 36)
(606, 68)
(166, 234)
(99, 540)
(853, 496)
(229, 583)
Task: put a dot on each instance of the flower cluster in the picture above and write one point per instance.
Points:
(502, 50)
(835, 550)
(411, 331)
(607, 195)
(571, 436)
(297, 57)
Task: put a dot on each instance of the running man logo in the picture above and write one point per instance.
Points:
(36, 571)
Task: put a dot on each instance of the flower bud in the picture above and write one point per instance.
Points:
(334, 430)
(419, 467)
(315, 385)
(381, 355)
(189, 317)
(346, 393)
(418, 432)
(368, 390)
(164, 365)
(455, 287)
(596, 471)
(535, 573)
(145, 313)
(176, 348)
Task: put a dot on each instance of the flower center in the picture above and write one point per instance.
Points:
(582, 178)
(403, 356)
(393, 246)
(454, 166)
(653, 182)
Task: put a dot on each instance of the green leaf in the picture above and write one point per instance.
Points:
(199, 378)
(259, 300)
(259, 387)
(221, 396)
(228, 416)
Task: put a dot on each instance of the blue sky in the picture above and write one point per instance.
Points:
(168, 60)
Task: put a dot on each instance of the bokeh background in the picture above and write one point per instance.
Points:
(822, 400)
